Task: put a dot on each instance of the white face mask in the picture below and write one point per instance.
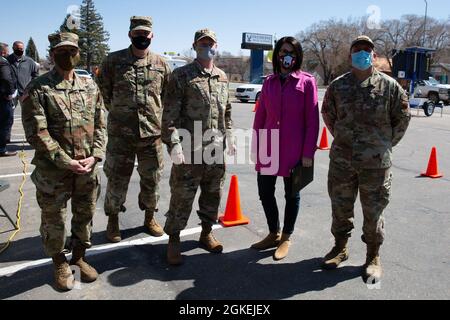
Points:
(288, 62)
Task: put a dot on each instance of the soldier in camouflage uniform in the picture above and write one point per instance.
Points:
(64, 120)
(197, 100)
(368, 114)
(132, 82)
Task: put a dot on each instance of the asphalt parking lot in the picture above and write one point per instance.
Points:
(415, 256)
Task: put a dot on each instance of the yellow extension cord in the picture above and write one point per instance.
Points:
(22, 157)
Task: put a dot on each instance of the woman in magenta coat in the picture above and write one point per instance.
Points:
(286, 132)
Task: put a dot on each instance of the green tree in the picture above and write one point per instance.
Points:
(89, 27)
(31, 50)
(93, 37)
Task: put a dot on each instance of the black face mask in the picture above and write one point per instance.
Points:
(18, 52)
(141, 42)
(66, 61)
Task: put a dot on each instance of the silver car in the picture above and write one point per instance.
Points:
(83, 73)
(251, 91)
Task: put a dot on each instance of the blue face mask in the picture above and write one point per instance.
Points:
(205, 53)
(362, 60)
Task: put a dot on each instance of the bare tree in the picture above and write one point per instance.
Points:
(328, 42)
(233, 65)
(189, 54)
(438, 37)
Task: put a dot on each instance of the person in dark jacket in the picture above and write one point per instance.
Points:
(7, 89)
(24, 70)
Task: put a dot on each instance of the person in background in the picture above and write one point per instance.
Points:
(24, 70)
(7, 89)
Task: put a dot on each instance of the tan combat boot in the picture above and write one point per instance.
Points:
(113, 229)
(283, 248)
(337, 255)
(152, 226)
(372, 269)
(174, 257)
(271, 241)
(64, 279)
(208, 241)
(88, 273)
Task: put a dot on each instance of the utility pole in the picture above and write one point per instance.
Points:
(425, 23)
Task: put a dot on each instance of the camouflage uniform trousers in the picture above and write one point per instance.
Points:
(374, 186)
(184, 182)
(120, 158)
(84, 191)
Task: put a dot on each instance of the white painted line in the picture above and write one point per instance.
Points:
(18, 175)
(9, 176)
(11, 270)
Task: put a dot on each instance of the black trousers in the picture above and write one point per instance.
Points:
(266, 186)
(6, 122)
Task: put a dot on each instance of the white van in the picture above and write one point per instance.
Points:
(175, 63)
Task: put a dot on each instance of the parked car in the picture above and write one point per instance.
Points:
(251, 91)
(83, 73)
(432, 90)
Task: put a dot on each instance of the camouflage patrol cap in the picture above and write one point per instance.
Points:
(141, 23)
(63, 39)
(362, 39)
(205, 33)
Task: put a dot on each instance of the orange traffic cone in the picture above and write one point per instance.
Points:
(233, 214)
(324, 145)
(256, 106)
(433, 167)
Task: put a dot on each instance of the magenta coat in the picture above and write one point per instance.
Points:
(291, 114)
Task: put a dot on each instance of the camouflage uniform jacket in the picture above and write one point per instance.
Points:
(132, 89)
(366, 119)
(194, 95)
(63, 121)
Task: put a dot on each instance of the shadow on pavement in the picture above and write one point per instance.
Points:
(29, 249)
(234, 275)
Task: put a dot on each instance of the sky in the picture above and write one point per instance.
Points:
(175, 21)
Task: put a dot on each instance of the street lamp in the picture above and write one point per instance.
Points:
(425, 23)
